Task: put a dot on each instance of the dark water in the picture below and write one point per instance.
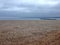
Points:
(29, 18)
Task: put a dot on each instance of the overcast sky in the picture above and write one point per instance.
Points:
(30, 7)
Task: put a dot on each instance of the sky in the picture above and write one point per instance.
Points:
(29, 8)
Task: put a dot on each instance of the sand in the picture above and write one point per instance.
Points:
(29, 32)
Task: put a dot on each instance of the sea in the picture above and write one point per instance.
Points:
(29, 18)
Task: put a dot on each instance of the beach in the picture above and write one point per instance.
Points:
(29, 32)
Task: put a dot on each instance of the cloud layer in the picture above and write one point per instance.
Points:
(30, 6)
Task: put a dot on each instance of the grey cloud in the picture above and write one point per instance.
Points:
(34, 8)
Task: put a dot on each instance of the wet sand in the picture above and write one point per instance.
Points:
(38, 32)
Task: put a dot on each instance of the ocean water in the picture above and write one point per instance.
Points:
(29, 18)
(17, 18)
